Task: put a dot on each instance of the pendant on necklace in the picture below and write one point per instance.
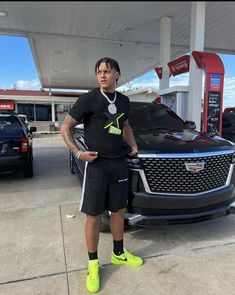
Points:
(112, 108)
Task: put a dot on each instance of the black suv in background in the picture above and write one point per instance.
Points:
(228, 124)
(179, 174)
(16, 151)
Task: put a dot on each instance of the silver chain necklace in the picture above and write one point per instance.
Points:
(111, 107)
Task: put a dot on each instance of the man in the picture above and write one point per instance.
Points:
(104, 113)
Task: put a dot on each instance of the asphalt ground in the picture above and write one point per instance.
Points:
(43, 251)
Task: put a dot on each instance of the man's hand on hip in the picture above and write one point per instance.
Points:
(134, 151)
(88, 156)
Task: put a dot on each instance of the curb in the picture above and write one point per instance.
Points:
(46, 132)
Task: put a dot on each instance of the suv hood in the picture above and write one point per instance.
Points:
(185, 141)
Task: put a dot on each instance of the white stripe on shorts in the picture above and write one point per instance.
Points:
(83, 186)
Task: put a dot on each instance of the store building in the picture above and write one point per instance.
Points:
(47, 110)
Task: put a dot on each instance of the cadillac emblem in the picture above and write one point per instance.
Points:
(195, 167)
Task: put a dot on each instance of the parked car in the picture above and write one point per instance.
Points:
(179, 174)
(16, 150)
(25, 120)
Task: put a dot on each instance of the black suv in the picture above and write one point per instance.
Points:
(179, 175)
(228, 124)
(16, 151)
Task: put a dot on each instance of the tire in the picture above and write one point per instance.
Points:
(71, 163)
(105, 222)
(28, 170)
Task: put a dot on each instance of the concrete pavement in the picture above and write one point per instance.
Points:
(42, 245)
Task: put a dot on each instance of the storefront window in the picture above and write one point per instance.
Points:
(43, 112)
(26, 109)
(61, 110)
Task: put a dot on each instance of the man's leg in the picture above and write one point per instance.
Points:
(92, 233)
(117, 224)
(117, 228)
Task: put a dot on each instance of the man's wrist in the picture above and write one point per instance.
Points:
(78, 154)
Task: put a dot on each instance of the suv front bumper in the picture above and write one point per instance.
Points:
(148, 208)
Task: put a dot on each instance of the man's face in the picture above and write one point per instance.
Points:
(107, 77)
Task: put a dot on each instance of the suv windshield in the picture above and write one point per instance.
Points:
(153, 116)
(10, 127)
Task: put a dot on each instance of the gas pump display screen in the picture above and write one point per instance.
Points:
(213, 119)
(215, 82)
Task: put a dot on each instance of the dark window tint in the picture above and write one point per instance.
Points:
(26, 109)
(152, 115)
(228, 119)
(10, 127)
(43, 112)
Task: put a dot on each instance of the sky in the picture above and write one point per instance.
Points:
(18, 70)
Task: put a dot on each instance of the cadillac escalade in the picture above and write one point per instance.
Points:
(180, 175)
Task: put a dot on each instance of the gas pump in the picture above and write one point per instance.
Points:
(213, 93)
(176, 98)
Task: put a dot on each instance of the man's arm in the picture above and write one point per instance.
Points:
(67, 134)
(129, 137)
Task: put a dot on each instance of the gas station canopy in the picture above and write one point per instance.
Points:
(67, 38)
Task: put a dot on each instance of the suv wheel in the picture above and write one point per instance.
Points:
(71, 163)
(28, 170)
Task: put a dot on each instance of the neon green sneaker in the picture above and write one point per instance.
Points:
(93, 279)
(126, 259)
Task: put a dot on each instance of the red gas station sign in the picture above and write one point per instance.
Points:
(179, 65)
(7, 105)
(159, 72)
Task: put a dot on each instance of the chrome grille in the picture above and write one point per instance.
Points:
(169, 175)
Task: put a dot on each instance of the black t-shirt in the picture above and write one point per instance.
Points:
(102, 130)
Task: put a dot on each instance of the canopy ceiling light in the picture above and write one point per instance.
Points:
(3, 13)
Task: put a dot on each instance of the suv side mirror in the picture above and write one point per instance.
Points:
(190, 124)
(79, 126)
(33, 129)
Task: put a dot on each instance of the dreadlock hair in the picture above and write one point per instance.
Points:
(109, 62)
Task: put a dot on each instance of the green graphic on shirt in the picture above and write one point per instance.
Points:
(114, 129)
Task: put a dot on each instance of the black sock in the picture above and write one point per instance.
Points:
(118, 247)
(92, 255)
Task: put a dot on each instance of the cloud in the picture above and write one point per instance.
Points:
(181, 80)
(229, 92)
(146, 81)
(26, 85)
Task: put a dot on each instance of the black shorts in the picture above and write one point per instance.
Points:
(105, 186)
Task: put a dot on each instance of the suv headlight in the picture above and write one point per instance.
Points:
(134, 163)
